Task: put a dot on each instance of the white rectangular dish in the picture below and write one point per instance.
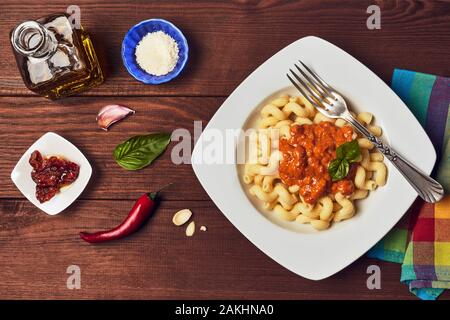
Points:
(315, 255)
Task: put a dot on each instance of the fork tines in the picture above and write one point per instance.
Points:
(310, 85)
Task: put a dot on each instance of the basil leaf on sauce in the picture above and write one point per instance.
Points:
(139, 151)
(346, 153)
(338, 169)
(349, 151)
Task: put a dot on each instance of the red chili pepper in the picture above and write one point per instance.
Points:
(140, 212)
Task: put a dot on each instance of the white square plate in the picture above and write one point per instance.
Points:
(51, 144)
(315, 255)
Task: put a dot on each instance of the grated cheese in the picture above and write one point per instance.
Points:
(157, 53)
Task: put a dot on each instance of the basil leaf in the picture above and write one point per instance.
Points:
(338, 169)
(346, 153)
(340, 152)
(139, 151)
(349, 151)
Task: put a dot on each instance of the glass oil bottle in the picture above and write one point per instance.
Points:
(54, 58)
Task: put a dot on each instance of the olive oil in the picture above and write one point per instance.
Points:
(54, 58)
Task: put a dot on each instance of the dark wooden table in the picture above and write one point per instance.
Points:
(228, 39)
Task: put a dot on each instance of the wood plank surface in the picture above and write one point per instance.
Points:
(229, 39)
(159, 262)
(24, 120)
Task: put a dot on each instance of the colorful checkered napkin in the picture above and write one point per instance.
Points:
(421, 240)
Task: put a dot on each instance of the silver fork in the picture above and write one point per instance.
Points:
(331, 104)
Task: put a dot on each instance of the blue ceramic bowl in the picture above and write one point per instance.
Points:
(136, 33)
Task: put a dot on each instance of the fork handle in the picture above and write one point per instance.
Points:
(428, 189)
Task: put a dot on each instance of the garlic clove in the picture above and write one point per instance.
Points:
(190, 229)
(111, 114)
(181, 217)
(203, 228)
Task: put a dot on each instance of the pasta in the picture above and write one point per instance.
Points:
(347, 211)
(361, 182)
(290, 201)
(268, 122)
(365, 143)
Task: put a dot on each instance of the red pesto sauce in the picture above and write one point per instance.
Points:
(50, 174)
(306, 155)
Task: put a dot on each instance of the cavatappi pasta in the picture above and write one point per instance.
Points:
(287, 199)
